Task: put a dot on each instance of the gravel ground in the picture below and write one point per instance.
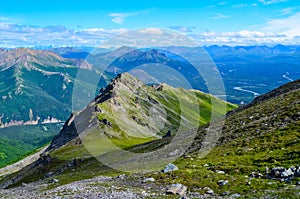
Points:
(104, 187)
(93, 188)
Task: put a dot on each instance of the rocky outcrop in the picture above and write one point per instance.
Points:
(285, 174)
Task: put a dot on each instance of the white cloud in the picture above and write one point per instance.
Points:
(3, 18)
(148, 37)
(269, 2)
(290, 10)
(183, 29)
(218, 16)
(150, 31)
(222, 3)
(243, 37)
(119, 18)
(289, 25)
(285, 31)
(241, 34)
(12, 35)
(243, 5)
(286, 11)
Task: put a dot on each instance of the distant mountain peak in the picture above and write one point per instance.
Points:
(32, 77)
(12, 57)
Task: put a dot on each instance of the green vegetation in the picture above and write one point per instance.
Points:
(16, 142)
(238, 159)
(143, 109)
(42, 82)
(265, 135)
(136, 110)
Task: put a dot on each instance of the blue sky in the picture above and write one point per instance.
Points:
(88, 22)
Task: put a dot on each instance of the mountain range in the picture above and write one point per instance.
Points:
(29, 77)
(247, 71)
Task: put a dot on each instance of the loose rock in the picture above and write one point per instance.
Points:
(53, 180)
(220, 172)
(149, 180)
(170, 167)
(236, 195)
(287, 173)
(222, 182)
(226, 193)
(177, 189)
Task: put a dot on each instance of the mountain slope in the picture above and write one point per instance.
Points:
(16, 142)
(128, 108)
(29, 78)
(127, 113)
(255, 139)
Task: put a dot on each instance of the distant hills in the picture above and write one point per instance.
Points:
(213, 50)
(252, 50)
(247, 71)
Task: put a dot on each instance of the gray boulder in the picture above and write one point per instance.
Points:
(170, 167)
(177, 189)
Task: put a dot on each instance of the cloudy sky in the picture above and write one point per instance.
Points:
(90, 22)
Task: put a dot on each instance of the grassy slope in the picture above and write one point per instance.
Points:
(171, 105)
(248, 145)
(178, 104)
(18, 141)
(169, 98)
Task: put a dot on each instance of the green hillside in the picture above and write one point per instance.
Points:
(17, 142)
(31, 78)
(263, 135)
(135, 100)
(257, 141)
